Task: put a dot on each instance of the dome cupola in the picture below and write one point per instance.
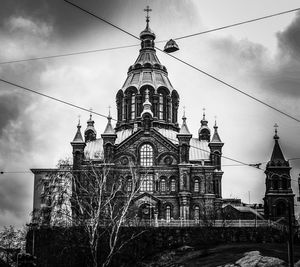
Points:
(147, 73)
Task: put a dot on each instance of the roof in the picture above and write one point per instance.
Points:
(246, 209)
(94, 150)
(216, 138)
(199, 150)
(277, 154)
(184, 128)
(78, 136)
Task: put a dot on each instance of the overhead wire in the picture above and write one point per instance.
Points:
(99, 114)
(53, 98)
(188, 64)
(160, 41)
(69, 54)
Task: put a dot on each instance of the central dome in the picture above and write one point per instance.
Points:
(147, 73)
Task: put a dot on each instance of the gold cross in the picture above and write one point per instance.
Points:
(147, 9)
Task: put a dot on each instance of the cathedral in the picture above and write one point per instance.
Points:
(180, 175)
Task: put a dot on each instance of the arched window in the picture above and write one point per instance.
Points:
(146, 155)
(147, 183)
(196, 185)
(173, 185)
(133, 106)
(161, 107)
(281, 209)
(163, 185)
(129, 185)
(168, 213)
(196, 213)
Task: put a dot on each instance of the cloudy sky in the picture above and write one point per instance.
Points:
(261, 58)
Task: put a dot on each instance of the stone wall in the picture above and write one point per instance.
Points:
(68, 247)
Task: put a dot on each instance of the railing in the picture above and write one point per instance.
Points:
(205, 223)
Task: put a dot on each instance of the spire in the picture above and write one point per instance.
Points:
(147, 104)
(184, 129)
(277, 155)
(216, 138)
(78, 137)
(109, 129)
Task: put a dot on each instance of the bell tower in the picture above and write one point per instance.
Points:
(279, 195)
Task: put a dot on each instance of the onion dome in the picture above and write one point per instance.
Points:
(147, 68)
(147, 73)
(204, 131)
(90, 131)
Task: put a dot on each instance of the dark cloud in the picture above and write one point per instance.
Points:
(278, 73)
(68, 21)
(289, 39)
(10, 108)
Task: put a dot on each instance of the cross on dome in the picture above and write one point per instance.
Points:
(147, 9)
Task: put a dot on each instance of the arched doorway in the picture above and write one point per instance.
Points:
(146, 211)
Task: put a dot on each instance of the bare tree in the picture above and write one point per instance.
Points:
(94, 199)
(12, 241)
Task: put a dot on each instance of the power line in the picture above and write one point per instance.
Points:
(69, 54)
(188, 64)
(161, 41)
(53, 98)
(236, 24)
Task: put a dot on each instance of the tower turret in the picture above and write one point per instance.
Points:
(204, 131)
(90, 133)
(184, 136)
(78, 148)
(215, 146)
(279, 196)
(109, 137)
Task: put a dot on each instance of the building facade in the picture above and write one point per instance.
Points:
(180, 175)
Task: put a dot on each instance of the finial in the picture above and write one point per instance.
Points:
(276, 130)
(183, 117)
(203, 113)
(147, 9)
(91, 111)
(215, 121)
(109, 107)
(78, 121)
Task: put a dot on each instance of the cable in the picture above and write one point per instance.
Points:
(235, 24)
(68, 54)
(53, 98)
(161, 41)
(188, 64)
